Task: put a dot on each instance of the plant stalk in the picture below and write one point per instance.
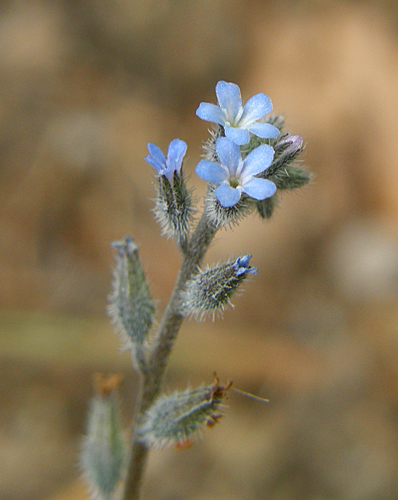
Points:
(152, 377)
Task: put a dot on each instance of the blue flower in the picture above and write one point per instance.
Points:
(236, 176)
(167, 166)
(236, 119)
(241, 266)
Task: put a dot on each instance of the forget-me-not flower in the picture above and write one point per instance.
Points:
(235, 176)
(238, 121)
(167, 166)
(241, 266)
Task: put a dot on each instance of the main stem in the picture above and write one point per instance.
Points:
(152, 379)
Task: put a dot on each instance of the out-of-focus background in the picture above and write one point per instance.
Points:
(84, 85)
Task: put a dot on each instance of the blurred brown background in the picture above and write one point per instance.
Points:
(84, 85)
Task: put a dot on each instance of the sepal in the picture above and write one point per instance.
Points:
(173, 419)
(284, 171)
(173, 206)
(103, 451)
(277, 121)
(209, 146)
(131, 305)
(287, 148)
(265, 208)
(292, 177)
(210, 291)
(220, 216)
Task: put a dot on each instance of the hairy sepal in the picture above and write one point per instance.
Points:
(173, 207)
(131, 305)
(209, 291)
(103, 450)
(174, 419)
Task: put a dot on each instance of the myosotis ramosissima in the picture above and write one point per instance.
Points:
(248, 159)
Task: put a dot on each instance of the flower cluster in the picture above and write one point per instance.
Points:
(248, 159)
(243, 159)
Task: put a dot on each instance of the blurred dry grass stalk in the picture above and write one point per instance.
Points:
(84, 86)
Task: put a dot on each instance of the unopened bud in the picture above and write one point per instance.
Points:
(103, 450)
(210, 291)
(173, 419)
(131, 306)
(290, 145)
(284, 171)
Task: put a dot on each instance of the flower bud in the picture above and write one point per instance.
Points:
(290, 145)
(210, 291)
(283, 171)
(103, 450)
(173, 419)
(131, 306)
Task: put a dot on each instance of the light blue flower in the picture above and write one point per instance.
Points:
(167, 166)
(241, 266)
(236, 176)
(236, 119)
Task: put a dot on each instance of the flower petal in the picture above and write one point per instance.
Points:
(242, 266)
(175, 154)
(255, 108)
(211, 172)
(264, 130)
(155, 164)
(259, 189)
(227, 195)
(157, 154)
(229, 99)
(210, 113)
(228, 153)
(239, 136)
(243, 261)
(257, 160)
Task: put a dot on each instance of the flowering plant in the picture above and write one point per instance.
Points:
(247, 160)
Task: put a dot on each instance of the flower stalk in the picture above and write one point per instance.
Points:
(152, 380)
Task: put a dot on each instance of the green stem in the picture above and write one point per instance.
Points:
(152, 379)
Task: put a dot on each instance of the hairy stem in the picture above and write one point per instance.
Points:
(152, 379)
